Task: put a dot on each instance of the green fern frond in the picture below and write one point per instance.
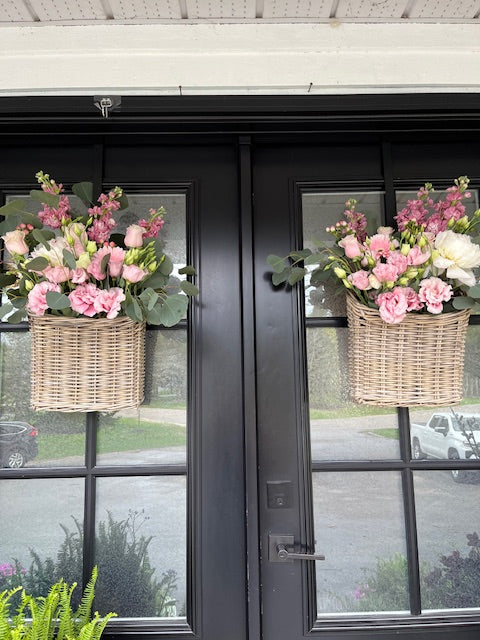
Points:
(84, 612)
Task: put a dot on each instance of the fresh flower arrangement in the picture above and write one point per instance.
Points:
(426, 266)
(60, 263)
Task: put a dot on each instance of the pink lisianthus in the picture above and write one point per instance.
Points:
(379, 246)
(115, 264)
(399, 261)
(392, 305)
(109, 301)
(82, 299)
(385, 272)
(132, 273)
(351, 246)
(37, 298)
(434, 291)
(359, 279)
(57, 274)
(79, 276)
(416, 256)
(15, 242)
(134, 236)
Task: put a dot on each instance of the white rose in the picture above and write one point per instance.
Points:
(458, 255)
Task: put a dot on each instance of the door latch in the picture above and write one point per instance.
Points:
(281, 548)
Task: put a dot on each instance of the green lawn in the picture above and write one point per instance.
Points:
(125, 434)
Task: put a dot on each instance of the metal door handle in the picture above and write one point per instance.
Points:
(284, 554)
(281, 548)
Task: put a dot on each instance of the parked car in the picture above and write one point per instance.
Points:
(18, 444)
(447, 436)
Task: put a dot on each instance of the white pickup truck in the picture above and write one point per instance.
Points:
(447, 436)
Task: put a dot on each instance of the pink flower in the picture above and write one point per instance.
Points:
(153, 226)
(95, 266)
(117, 256)
(392, 305)
(385, 272)
(379, 245)
(37, 298)
(108, 301)
(398, 260)
(82, 299)
(15, 242)
(413, 301)
(57, 274)
(101, 229)
(360, 280)
(79, 276)
(52, 217)
(416, 256)
(134, 236)
(434, 291)
(351, 246)
(132, 273)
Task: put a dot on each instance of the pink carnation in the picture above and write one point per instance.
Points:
(385, 272)
(109, 301)
(413, 301)
(399, 261)
(82, 299)
(37, 298)
(434, 291)
(379, 245)
(393, 305)
(360, 280)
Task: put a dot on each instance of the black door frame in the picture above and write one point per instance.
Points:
(244, 121)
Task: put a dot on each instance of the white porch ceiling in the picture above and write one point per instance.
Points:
(47, 12)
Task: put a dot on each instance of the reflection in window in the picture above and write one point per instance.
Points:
(359, 528)
(320, 210)
(339, 428)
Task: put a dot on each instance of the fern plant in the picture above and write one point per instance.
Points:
(52, 617)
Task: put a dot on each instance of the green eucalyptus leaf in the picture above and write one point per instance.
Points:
(18, 303)
(166, 266)
(104, 263)
(5, 309)
(138, 310)
(187, 270)
(463, 302)
(84, 191)
(296, 274)
(57, 300)
(280, 278)
(6, 279)
(277, 263)
(123, 200)
(37, 264)
(314, 258)
(69, 259)
(156, 281)
(9, 224)
(50, 199)
(13, 207)
(42, 236)
(16, 317)
(173, 309)
(153, 315)
(301, 254)
(189, 288)
(474, 292)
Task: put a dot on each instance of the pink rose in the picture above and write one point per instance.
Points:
(351, 246)
(57, 274)
(385, 272)
(133, 274)
(15, 242)
(360, 280)
(37, 298)
(82, 299)
(392, 305)
(134, 236)
(108, 301)
(379, 245)
(434, 291)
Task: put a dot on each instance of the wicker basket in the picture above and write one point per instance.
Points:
(86, 364)
(418, 362)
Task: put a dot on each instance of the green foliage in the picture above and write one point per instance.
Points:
(127, 584)
(53, 616)
(386, 587)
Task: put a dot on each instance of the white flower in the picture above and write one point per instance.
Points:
(54, 255)
(458, 255)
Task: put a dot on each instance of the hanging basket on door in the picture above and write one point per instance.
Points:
(86, 364)
(418, 362)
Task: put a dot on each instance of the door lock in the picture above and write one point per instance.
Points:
(281, 548)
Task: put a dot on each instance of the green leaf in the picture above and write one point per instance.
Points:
(50, 199)
(301, 254)
(188, 270)
(277, 263)
(166, 266)
(153, 315)
(123, 200)
(463, 302)
(173, 309)
(84, 191)
(9, 224)
(42, 236)
(474, 292)
(189, 288)
(104, 263)
(296, 274)
(56, 300)
(155, 281)
(280, 278)
(69, 259)
(5, 309)
(149, 298)
(314, 258)
(12, 207)
(37, 264)
(16, 317)
(7, 279)
(18, 303)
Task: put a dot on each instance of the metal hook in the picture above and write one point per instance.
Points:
(106, 104)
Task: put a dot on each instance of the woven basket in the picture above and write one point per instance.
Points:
(418, 362)
(86, 364)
